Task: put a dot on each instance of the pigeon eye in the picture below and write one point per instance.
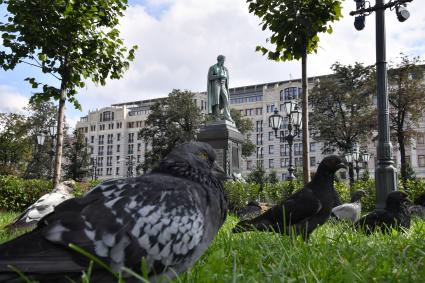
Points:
(204, 155)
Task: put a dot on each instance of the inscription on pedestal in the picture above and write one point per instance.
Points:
(220, 157)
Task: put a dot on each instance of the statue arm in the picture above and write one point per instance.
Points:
(211, 75)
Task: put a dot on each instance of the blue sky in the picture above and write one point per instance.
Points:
(179, 39)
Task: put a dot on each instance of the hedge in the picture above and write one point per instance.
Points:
(16, 194)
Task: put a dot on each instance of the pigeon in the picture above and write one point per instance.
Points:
(418, 207)
(165, 219)
(350, 211)
(43, 206)
(303, 211)
(395, 215)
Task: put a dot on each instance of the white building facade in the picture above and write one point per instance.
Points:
(116, 150)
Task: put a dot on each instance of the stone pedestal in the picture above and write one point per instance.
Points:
(227, 141)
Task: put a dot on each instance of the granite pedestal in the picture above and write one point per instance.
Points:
(226, 140)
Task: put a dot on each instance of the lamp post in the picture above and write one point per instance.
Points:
(130, 163)
(385, 173)
(41, 137)
(355, 159)
(294, 116)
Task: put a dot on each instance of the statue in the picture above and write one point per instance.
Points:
(218, 90)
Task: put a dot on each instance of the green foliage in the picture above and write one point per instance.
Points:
(342, 107)
(77, 156)
(71, 40)
(245, 126)
(413, 187)
(258, 176)
(368, 201)
(294, 25)
(406, 94)
(272, 178)
(239, 194)
(172, 121)
(16, 194)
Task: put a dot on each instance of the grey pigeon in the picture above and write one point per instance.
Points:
(418, 207)
(394, 216)
(350, 211)
(168, 217)
(43, 206)
(303, 211)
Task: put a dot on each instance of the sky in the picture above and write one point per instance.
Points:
(179, 39)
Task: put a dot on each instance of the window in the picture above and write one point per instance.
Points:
(118, 159)
(271, 149)
(271, 136)
(110, 138)
(131, 137)
(139, 147)
(100, 150)
(91, 139)
(282, 150)
(421, 160)
(93, 128)
(109, 150)
(101, 139)
(130, 148)
(118, 137)
(111, 126)
(117, 171)
(119, 125)
(281, 96)
(292, 93)
(102, 127)
(259, 126)
(408, 162)
(420, 138)
(298, 148)
(312, 147)
(108, 171)
(259, 111)
(109, 161)
(118, 147)
(259, 152)
(271, 163)
(260, 163)
(107, 116)
(312, 161)
(259, 139)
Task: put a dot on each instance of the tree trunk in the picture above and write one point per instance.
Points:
(59, 136)
(306, 137)
(402, 148)
(351, 176)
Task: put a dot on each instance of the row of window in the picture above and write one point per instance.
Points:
(284, 162)
(101, 138)
(109, 160)
(246, 99)
(109, 149)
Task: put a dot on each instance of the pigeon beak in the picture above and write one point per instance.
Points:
(218, 172)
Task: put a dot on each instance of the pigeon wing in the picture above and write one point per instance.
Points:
(300, 206)
(159, 218)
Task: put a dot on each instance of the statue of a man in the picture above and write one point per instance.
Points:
(218, 90)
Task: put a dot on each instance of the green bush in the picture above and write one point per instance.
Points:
(239, 194)
(16, 194)
(413, 187)
(368, 201)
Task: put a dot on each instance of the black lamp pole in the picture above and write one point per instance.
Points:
(385, 173)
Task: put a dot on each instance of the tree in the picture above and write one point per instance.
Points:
(245, 126)
(172, 121)
(15, 144)
(258, 176)
(71, 40)
(295, 26)
(272, 178)
(406, 93)
(77, 157)
(40, 116)
(342, 108)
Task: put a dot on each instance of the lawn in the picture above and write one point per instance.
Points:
(334, 253)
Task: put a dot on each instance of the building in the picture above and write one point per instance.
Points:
(116, 150)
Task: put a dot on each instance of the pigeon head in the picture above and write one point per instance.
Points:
(357, 195)
(195, 160)
(331, 164)
(397, 200)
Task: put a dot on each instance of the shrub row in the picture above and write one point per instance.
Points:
(16, 194)
(239, 194)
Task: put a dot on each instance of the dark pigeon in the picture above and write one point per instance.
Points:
(418, 207)
(168, 217)
(303, 211)
(43, 206)
(394, 216)
(350, 211)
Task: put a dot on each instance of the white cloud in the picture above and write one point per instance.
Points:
(11, 100)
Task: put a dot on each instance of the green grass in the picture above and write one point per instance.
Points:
(334, 253)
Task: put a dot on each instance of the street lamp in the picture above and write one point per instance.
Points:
(356, 158)
(294, 116)
(385, 173)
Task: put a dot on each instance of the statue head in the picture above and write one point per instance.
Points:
(221, 59)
